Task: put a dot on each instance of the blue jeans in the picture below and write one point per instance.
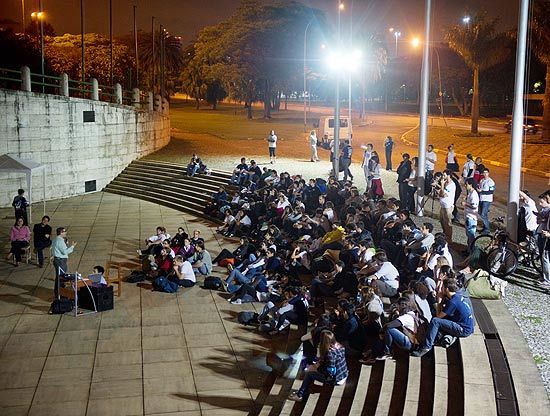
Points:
(240, 277)
(395, 336)
(484, 212)
(470, 225)
(202, 270)
(445, 326)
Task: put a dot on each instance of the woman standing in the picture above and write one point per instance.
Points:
(330, 369)
(313, 144)
(451, 160)
(20, 235)
(272, 144)
(388, 146)
(377, 192)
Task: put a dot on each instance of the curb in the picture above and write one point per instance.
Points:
(485, 161)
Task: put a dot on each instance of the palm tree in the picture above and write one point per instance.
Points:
(481, 47)
(541, 46)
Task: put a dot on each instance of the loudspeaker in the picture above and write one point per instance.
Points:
(103, 297)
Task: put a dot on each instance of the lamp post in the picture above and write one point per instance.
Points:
(23, 15)
(466, 20)
(335, 162)
(397, 36)
(305, 76)
(82, 44)
(40, 16)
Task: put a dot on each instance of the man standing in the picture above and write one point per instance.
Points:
(313, 144)
(486, 191)
(41, 235)
(403, 173)
(447, 189)
(20, 205)
(347, 151)
(471, 205)
(60, 253)
(272, 144)
(544, 238)
(365, 164)
(388, 146)
(431, 159)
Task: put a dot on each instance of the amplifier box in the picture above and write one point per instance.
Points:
(103, 297)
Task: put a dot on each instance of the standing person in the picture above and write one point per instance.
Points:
(367, 155)
(331, 368)
(272, 144)
(377, 192)
(528, 211)
(60, 253)
(313, 145)
(471, 205)
(544, 238)
(20, 205)
(447, 189)
(450, 159)
(458, 192)
(41, 235)
(20, 236)
(403, 173)
(486, 191)
(411, 186)
(347, 151)
(389, 144)
(478, 172)
(431, 159)
(469, 168)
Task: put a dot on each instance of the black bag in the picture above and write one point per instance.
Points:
(248, 318)
(60, 306)
(136, 277)
(212, 282)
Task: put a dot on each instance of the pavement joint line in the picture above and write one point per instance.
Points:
(485, 161)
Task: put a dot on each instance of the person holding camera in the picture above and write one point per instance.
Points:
(446, 189)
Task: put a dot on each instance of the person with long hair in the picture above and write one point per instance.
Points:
(20, 236)
(331, 368)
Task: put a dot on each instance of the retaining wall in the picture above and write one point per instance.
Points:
(51, 130)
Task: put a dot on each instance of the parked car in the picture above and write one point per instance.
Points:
(530, 125)
(326, 130)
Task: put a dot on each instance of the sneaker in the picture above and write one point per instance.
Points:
(544, 283)
(386, 356)
(237, 302)
(447, 341)
(230, 267)
(420, 353)
(223, 287)
(294, 396)
(368, 361)
(139, 253)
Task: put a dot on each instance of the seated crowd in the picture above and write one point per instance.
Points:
(321, 249)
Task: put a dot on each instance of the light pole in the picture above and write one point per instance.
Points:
(40, 16)
(397, 36)
(335, 162)
(82, 44)
(305, 76)
(23, 15)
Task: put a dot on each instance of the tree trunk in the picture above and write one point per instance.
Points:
(475, 102)
(267, 100)
(197, 103)
(458, 104)
(249, 110)
(546, 107)
(215, 104)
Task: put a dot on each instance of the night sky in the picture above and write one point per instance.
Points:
(187, 17)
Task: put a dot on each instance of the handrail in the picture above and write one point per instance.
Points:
(61, 84)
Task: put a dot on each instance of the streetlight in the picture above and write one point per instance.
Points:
(466, 21)
(416, 42)
(40, 16)
(397, 36)
(305, 48)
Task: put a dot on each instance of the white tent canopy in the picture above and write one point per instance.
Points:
(12, 164)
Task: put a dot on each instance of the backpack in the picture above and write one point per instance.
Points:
(248, 318)
(162, 284)
(321, 184)
(136, 276)
(422, 328)
(212, 282)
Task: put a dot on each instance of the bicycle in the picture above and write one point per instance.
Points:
(504, 255)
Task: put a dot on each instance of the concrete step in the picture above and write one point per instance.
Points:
(149, 172)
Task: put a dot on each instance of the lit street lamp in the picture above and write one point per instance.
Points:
(40, 16)
(466, 21)
(397, 36)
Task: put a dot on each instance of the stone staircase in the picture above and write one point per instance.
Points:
(167, 184)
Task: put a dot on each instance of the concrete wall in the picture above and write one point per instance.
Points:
(50, 130)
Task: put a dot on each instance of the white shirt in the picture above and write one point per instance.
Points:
(468, 169)
(389, 274)
(473, 200)
(187, 272)
(366, 158)
(530, 216)
(273, 143)
(486, 185)
(448, 200)
(407, 321)
(433, 156)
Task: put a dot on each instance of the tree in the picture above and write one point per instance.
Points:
(541, 46)
(481, 47)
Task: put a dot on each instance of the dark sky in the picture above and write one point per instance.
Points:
(187, 17)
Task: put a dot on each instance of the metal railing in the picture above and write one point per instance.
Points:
(61, 85)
